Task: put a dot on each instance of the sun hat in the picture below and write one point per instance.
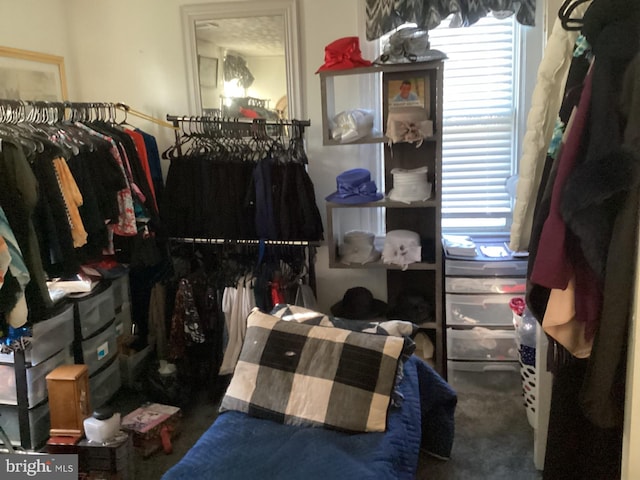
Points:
(408, 124)
(342, 54)
(409, 45)
(355, 186)
(358, 304)
(412, 306)
(401, 247)
(410, 185)
(357, 247)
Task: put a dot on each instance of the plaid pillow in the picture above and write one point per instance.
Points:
(396, 328)
(311, 375)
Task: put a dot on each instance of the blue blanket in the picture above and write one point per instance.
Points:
(238, 446)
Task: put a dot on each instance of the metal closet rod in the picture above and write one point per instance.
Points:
(221, 241)
(236, 121)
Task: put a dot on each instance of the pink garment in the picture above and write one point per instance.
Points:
(559, 256)
(552, 267)
(126, 225)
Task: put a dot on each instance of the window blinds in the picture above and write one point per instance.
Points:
(479, 123)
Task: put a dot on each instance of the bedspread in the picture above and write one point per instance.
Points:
(238, 446)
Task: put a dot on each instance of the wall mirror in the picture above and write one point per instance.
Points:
(243, 58)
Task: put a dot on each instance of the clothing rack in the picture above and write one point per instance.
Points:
(257, 127)
(38, 111)
(296, 243)
(220, 241)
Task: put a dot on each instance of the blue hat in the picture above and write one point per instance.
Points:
(355, 186)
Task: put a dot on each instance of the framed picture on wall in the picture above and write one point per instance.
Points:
(208, 70)
(27, 75)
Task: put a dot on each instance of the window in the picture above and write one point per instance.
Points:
(479, 123)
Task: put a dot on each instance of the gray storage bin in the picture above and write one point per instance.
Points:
(94, 311)
(484, 377)
(123, 319)
(49, 337)
(104, 384)
(479, 310)
(482, 344)
(489, 268)
(503, 285)
(98, 350)
(38, 425)
(120, 287)
(35, 378)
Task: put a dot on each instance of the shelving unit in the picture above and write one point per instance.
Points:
(422, 217)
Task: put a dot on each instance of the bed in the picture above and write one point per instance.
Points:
(254, 443)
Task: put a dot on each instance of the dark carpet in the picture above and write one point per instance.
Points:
(493, 438)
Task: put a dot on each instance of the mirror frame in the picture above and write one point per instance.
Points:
(247, 8)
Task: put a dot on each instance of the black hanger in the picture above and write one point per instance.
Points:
(564, 14)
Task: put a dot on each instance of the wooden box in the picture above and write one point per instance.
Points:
(112, 460)
(69, 402)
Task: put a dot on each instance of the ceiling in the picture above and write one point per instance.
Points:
(248, 36)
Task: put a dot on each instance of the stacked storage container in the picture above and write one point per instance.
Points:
(132, 363)
(24, 407)
(482, 354)
(96, 343)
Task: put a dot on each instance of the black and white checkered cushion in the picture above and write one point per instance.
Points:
(302, 374)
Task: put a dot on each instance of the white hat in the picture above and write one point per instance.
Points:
(410, 185)
(402, 247)
(357, 247)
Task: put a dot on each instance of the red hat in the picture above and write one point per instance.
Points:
(343, 54)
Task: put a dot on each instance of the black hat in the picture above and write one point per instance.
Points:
(358, 304)
(411, 306)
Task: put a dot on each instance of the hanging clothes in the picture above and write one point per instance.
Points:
(239, 185)
(584, 233)
(542, 121)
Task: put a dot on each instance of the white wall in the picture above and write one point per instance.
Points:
(44, 32)
(270, 78)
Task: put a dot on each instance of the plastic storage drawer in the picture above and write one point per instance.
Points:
(489, 268)
(479, 377)
(481, 344)
(120, 287)
(123, 319)
(479, 310)
(504, 285)
(104, 384)
(99, 349)
(49, 337)
(94, 311)
(35, 379)
(38, 425)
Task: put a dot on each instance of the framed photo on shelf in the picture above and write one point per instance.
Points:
(27, 75)
(408, 92)
(407, 110)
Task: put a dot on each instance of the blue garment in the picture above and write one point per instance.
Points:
(265, 219)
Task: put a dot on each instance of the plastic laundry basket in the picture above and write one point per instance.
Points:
(526, 326)
(529, 385)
